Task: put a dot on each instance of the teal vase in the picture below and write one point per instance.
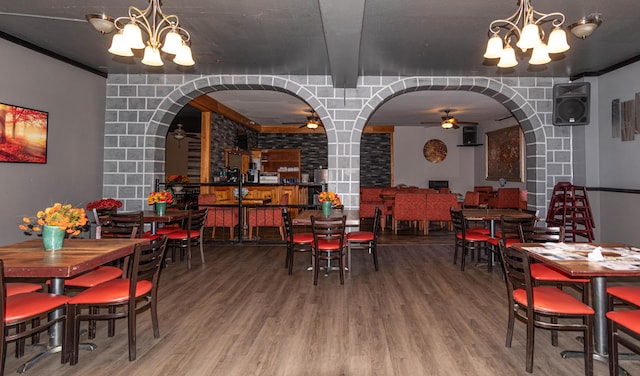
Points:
(52, 237)
(326, 208)
(161, 208)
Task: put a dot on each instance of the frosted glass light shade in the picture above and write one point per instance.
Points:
(184, 57)
(557, 41)
(508, 58)
(530, 37)
(133, 36)
(119, 46)
(494, 48)
(172, 43)
(152, 57)
(540, 55)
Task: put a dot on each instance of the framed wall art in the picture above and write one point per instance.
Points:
(23, 134)
(505, 154)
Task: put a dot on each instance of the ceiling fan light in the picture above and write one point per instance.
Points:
(119, 46)
(152, 57)
(172, 43)
(133, 36)
(530, 37)
(508, 58)
(494, 48)
(557, 41)
(446, 124)
(540, 55)
(312, 124)
(184, 57)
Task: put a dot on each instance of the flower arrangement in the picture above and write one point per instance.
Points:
(66, 217)
(178, 179)
(331, 197)
(162, 196)
(105, 203)
(245, 192)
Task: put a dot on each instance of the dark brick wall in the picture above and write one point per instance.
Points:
(375, 160)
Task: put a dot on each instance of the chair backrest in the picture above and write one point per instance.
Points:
(508, 198)
(438, 206)
(101, 216)
(329, 229)
(471, 199)
(541, 234)
(370, 194)
(129, 219)
(377, 225)
(288, 226)
(510, 226)
(457, 219)
(128, 232)
(409, 206)
(146, 264)
(196, 220)
(517, 273)
(284, 199)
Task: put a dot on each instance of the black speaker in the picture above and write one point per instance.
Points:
(571, 103)
(469, 135)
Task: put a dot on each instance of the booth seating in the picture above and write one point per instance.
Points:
(370, 199)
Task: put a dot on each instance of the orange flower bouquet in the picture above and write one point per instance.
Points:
(162, 196)
(331, 197)
(178, 179)
(65, 217)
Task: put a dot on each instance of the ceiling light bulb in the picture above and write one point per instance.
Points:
(133, 36)
(152, 57)
(446, 124)
(311, 124)
(172, 43)
(119, 46)
(101, 22)
(540, 55)
(508, 58)
(557, 41)
(530, 37)
(494, 48)
(183, 57)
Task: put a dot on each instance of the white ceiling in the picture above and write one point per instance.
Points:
(342, 39)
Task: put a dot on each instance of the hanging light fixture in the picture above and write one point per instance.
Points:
(179, 133)
(525, 28)
(156, 26)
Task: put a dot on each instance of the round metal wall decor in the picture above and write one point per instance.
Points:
(435, 151)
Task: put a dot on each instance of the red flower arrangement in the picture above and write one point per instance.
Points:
(105, 203)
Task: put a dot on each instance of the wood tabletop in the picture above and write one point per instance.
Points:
(304, 218)
(29, 259)
(582, 267)
(493, 214)
(171, 215)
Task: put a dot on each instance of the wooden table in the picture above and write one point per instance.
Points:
(171, 215)
(29, 259)
(304, 218)
(574, 263)
(492, 215)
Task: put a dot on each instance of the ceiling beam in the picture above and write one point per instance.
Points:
(342, 23)
(206, 103)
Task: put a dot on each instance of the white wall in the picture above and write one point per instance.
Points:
(75, 100)
(618, 162)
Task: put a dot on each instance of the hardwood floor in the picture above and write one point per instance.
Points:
(241, 314)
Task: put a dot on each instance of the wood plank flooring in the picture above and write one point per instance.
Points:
(241, 314)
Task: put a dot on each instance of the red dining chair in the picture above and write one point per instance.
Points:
(465, 240)
(509, 232)
(409, 207)
(296, 242)
(191, 235)
(542, 307)
(218, 216)
(437, 209)
(627, 323)
(270, 216)
(365, 240)
(33, 310)
(328, 243)
(123, 297)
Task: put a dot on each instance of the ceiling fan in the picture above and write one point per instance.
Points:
(449, 121)
(313, 121)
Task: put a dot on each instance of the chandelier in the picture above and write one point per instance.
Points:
(157, 26)
(524, 27)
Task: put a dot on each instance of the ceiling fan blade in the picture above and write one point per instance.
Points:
(504, 118)
(467, 122)
(430, 122)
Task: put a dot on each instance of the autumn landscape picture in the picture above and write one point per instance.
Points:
(23, 134)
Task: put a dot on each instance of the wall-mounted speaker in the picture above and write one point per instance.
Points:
(571, 103)
(469, 135)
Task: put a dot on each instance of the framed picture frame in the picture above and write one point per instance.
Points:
(504, 154)
(23, 134)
